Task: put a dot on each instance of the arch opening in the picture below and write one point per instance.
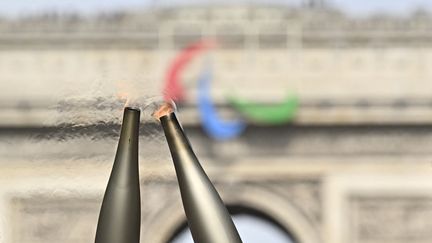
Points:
(253, 226)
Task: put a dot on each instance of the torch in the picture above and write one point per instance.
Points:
(208, 218)
(120, 214)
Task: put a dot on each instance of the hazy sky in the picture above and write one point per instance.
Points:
(358, 7)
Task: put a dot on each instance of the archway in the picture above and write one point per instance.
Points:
(253, 227)
(257, 201)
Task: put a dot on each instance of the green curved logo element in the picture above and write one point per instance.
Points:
(280, 113)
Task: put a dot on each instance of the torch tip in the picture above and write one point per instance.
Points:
(164, 109)
(128, 108)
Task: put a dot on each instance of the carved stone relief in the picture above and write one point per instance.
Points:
(395, 219)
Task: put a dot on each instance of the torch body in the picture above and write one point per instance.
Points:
(120, 214)
(208, 218)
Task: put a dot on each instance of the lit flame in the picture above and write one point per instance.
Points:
(165, 109)
(127, 102)
(123, 96)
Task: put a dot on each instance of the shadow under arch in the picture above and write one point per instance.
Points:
(236, 210)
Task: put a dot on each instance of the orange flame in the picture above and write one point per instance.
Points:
(122, 95)
(163, 110)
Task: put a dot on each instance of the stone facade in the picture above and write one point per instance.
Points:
(353, 167)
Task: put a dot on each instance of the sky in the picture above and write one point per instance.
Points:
(355, 7)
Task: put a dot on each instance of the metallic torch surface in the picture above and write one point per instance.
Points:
(120, 214)
(208, 218)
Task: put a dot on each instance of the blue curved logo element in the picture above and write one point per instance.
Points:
(212, 123)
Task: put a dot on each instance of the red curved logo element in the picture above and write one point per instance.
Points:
(173, 89)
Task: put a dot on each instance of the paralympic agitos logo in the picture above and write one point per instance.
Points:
(217, 128)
